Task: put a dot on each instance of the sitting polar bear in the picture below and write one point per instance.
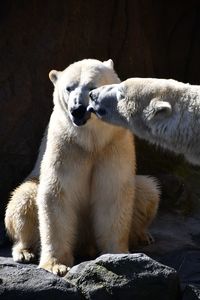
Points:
(162, 111)
(87, 194)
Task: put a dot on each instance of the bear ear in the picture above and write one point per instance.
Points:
(53, 76)
(109, 64)
(157, 110)
(120, 94)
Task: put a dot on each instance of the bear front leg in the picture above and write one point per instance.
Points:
(57, 222)
(112, 202)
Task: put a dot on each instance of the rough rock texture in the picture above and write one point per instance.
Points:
(123, 276)
(191, 293)
(177, 245)
(18, 281)
(187, 264)
(144, 38)
(133, 276)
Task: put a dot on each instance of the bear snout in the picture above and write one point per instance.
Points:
(78, 112)
(99, 112)
(90, 109)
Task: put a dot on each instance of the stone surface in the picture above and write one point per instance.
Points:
(191, 293)
(133, 276)
(187, 264)
(108, 277)
(88, 275)
(19, 281)
(173, 232)
(177, 245)
(144, 38)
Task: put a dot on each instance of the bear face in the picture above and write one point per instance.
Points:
(135, 104)
(106, 103)
(162, 111)
(73, 85)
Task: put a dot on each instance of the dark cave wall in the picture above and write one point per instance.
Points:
(144, 38)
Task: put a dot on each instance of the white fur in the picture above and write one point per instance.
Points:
(164, 112)
(88, 196)
(72, 173)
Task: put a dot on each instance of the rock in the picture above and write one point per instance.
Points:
(35, 38)
(192, 292)
(20, 281)
(187, 264)
(121, 276)
(173, 233)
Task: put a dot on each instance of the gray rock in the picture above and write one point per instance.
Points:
(20, 281)
(191, 293)
(187, 264)
(108, 277)
(131, 276)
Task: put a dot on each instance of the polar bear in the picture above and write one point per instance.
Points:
(162, 111)
(87, 195)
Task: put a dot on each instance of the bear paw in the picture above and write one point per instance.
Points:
(23, 255)
(55, 268)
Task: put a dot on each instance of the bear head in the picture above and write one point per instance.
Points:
(72, 87)
(106, 102)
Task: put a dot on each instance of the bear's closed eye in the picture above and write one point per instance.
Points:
(69, 89)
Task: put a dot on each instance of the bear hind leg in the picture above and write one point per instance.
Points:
(146, 204)
(21, 221)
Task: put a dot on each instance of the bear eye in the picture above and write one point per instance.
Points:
(68, 89)
(92, 96)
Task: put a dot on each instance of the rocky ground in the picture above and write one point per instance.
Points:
(167, 269)
(145, 39)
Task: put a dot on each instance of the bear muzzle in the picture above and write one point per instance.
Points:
(94, 106)
(99, 112)
(79, 115)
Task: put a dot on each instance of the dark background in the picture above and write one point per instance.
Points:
(144, 38)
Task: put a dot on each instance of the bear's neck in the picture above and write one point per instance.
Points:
(94, 136)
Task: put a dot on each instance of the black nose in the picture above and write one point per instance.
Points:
(79, 112)
(90, 109)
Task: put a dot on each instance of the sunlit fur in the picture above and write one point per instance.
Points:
(88, 197)
(162, 111)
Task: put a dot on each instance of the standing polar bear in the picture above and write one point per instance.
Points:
(162, 111)
(87, 194)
